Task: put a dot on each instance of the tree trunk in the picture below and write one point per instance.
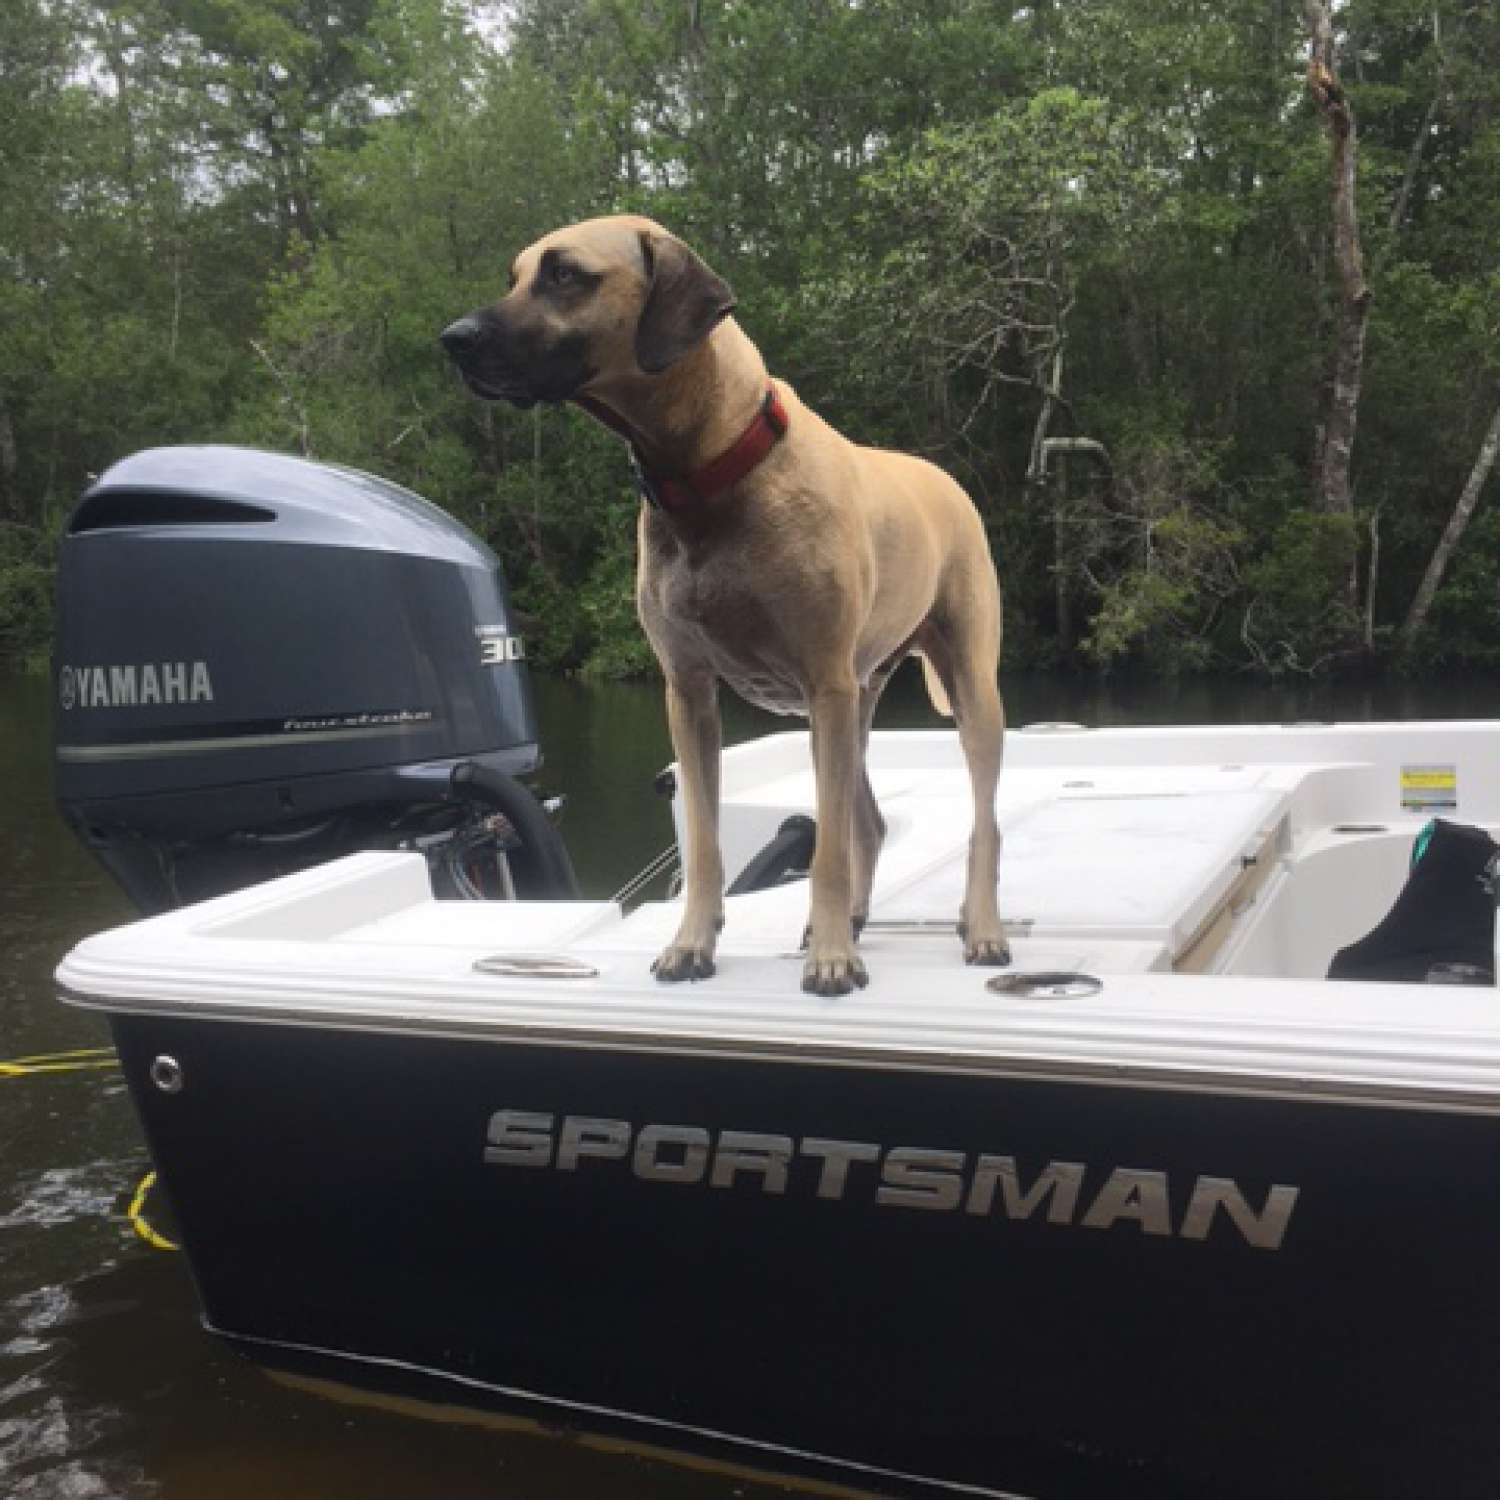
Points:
(10, 492)
(1038, 475)
(1062, 564)
(1424, 133)
(1333, 492)
(1036, 468)
(1442, 554)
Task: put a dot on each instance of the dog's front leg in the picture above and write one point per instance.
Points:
(693, 717)
(833, 967)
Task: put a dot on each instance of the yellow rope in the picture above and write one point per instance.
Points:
(80, 1060)
(136, 1213)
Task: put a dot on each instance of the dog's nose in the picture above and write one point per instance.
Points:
(458, 338)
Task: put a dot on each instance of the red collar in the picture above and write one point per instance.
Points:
(682, 492)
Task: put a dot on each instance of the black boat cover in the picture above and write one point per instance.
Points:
(1442, 928)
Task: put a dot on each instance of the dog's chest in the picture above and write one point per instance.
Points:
(718, 617)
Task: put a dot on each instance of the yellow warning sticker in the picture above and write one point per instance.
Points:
(1429, 788)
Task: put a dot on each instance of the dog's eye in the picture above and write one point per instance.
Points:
(561, 273)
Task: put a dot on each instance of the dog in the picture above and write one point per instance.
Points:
(775, 555)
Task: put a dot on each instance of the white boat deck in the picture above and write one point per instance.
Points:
(1153, 863)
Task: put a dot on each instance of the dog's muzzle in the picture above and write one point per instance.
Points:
(500, 364)
(462, 338)
(470, 344)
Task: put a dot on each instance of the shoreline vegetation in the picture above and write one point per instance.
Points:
(1202, 304)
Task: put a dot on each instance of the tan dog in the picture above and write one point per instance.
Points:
(792, 564)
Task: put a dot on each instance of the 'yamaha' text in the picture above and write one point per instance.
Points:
(135, 686)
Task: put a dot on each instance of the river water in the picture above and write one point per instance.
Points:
(108, 1388)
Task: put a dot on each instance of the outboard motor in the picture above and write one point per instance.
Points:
(263, 663)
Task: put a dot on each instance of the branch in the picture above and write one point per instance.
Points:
(1442, 554)
(288, 399)
(1419, 145)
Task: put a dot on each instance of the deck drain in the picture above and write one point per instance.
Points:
(1045, 984)
(536, 966)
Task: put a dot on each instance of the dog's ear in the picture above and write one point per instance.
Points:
(685, 302)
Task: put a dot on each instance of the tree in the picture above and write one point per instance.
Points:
(1335, 447)
(40, 109)
(1015, 238)
(1442, 554)
(998, 226)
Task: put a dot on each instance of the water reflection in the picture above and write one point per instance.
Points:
(54, 1439)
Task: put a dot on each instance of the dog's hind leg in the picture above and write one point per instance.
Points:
(869, 825)
(968, 667)
(693, 717)
(981, 730)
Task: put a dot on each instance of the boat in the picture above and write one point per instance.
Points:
(1159, 1209)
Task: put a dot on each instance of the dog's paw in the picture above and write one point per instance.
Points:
(990, 952)
(680, 962)
(987, 947)
(834, 973)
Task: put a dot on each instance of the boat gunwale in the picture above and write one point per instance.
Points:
(1310, 1084)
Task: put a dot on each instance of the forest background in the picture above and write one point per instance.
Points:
(1199, 298)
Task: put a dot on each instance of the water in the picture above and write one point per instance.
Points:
(108, 1389)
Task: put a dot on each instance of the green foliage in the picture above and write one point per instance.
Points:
(1298, 617)
(1164, 557)
(607, 600)
(25, 594)
(246, 220)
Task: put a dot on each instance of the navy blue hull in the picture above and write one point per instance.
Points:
(360, 1205)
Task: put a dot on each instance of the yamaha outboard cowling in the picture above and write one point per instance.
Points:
(263, 662)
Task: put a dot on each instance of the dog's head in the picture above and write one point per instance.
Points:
(601, 298)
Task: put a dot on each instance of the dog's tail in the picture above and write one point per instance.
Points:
(935, 688)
